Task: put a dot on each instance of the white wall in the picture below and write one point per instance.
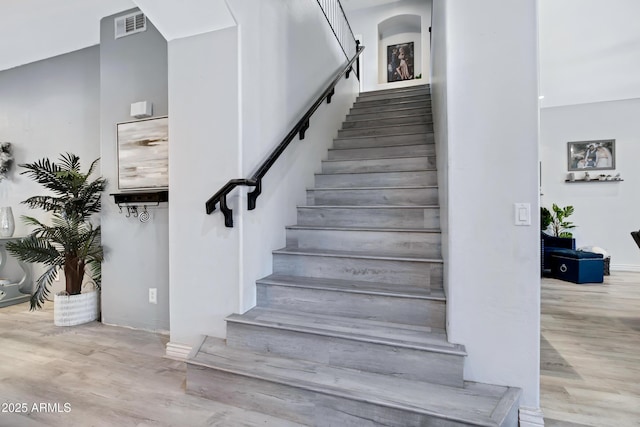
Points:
(399, 39)
(203, 116)
(605, 212)
(47, 108)
(439, 113)
(365, 23)
(589, 51)
(229, 113)
(493, 301)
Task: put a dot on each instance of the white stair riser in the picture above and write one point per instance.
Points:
(386, 130)
(376, 179)
(373, 217)
(402, 112)
(411, 120)
(410, 311)
(384, 141)
(412, 364)
(373, 197)
(358, 109)
(412, 273)
(379, 165)
(391, 101)
(393, 95)
(303, 406)
(398, 243)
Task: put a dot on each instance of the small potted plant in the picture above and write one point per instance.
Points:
(559, 223)
(71, 243)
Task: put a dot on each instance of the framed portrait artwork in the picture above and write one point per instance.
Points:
(591, 155)
(400, 62)
(143, 154)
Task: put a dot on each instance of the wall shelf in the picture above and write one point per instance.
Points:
(593, 180)
(135, 203)
(141, 197)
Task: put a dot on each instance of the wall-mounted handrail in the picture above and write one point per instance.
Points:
(299, 129)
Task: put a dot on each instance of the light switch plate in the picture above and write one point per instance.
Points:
(522, 213)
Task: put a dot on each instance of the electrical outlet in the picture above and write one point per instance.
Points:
(153, 295)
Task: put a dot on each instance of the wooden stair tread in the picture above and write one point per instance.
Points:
(354, 254)
(473, 404)
(383, 136)
(405, 109)
(397, 90)
(353, 286)
(379, 229)
(374, 172)
(379, 158)
(418, 117)
(368, 207)
(370, 331)
(394, 187)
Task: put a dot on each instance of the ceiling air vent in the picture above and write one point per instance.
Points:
(130, 24)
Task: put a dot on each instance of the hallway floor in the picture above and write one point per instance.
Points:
(590, 352)
(590, 367)
(97, 375)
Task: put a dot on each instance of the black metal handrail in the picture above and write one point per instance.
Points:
(299, 129)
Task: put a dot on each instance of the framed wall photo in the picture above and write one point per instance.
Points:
(591, 155)
(143, 154)
(400, 62)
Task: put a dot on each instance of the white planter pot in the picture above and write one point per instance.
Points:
(70, 310)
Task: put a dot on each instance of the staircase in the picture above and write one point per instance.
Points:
(349, 330)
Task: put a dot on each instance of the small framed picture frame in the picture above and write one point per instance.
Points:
(591, 155)
(143, 154)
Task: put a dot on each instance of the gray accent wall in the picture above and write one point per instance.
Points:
(47, 108)
(132, 69)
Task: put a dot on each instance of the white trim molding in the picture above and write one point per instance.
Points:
(177, 351)
(531, 417)
(625, 267)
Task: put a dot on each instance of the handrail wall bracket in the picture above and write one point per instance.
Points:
(256, 179)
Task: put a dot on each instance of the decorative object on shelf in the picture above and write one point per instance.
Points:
(7, 223)
(571, 176)
(593, 155)
(72, 242)
(135, 203)
(587, 177)
(6, 159)
(143, 154)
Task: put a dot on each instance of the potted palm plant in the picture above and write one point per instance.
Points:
(71, 243)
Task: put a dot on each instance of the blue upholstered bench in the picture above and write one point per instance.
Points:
(577, 266)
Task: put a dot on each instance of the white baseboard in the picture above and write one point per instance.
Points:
(177, 351)
(531, 417)
(625, 267)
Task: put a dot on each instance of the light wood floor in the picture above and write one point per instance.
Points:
(590, 352)
(590, 367)
(112, 377)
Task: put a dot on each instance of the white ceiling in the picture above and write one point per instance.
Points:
(360, 4)
(589, 51)
(31, 30)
